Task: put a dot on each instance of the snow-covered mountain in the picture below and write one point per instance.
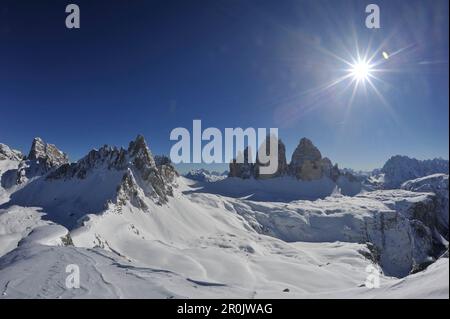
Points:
(138, 229)
(68, 191)
(307, 176)
(7, 153)
(399, 169)
(41, 159)
(204, 175)
(9, 162)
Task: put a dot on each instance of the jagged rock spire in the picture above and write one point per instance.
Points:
(139, 150)
(142, 176)
(7, 153)
(46, 153)
(305, 151)
(242, 166)
(282, 168)
(306, 163)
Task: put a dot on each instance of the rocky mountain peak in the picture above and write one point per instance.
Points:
(139, 150)
(142, 175)
(305, 151)
(282, 164)
(48, 154)
(306, 163)
(42, 159)
(153, 181)
(399, 169)
(242, 166)
(6, 153)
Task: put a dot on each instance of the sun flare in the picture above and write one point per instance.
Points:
(360, 70)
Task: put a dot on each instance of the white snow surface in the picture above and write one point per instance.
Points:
(221, 240)
(279, 189)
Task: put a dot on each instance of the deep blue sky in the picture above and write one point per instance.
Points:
(150, 66)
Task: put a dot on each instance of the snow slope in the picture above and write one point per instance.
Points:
(431, 283)
(15, 224)
(390, 220)
(308, 271)
(212, 242)
(66, 201)
(6, 165)
(137, 231)
(278, 189)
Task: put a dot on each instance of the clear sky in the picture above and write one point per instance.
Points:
(150, 66)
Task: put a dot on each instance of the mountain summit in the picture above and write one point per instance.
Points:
(41, 159)
(124, 214)
(399, 169)
(48, 155)
(107, 176)
(306, 163)
(6, 153)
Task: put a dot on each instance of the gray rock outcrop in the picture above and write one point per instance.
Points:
(153, 178)
(47, 155)
(243, 166)
(306, 163)
(42, 159)
(437, 184)
(7, 153)
(399, 169)
(282, 168)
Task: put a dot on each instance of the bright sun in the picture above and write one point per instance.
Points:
(360, 70)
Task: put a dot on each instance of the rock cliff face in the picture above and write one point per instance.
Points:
(6, 153)
(47, 155)
(109, 177)
(306, 163)
(399, 169)
(437, 184)
(413, 227)
(305, 151)
(166, 169)
(242, 167)
(142, 174)
(282, 168)
(400, 227)
(42, 159)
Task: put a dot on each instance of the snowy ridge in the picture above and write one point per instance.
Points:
(137, 229)
(116, 175)
(399, 169)
(6, 153)
(203, 175)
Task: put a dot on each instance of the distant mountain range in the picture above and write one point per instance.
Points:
(138, 229)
